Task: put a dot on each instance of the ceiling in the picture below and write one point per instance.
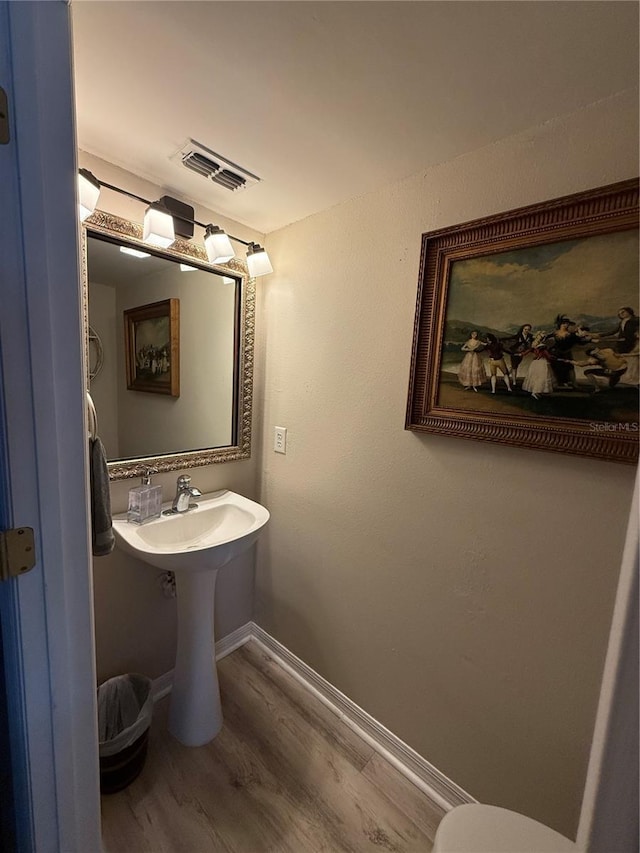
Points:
(325, 101)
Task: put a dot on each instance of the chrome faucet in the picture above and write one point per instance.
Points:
(184, 491)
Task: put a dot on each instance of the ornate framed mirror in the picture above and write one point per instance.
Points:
(194, 321)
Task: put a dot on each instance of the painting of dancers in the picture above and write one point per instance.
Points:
(527, 328)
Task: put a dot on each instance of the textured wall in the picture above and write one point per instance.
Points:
(460, 593)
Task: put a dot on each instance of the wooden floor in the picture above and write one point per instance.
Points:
(284, 775)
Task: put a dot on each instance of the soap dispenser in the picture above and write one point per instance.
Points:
(145, 501)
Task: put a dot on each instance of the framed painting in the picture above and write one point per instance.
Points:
(152, 347)
(526, 328)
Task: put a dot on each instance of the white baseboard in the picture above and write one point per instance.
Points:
(442, 790)
(417, 769)
(161, 686)
(234, 640)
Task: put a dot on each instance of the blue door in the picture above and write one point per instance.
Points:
(48, 729)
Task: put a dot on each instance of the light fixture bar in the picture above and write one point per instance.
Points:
(158, 232)
(147, 202)
(125, 192)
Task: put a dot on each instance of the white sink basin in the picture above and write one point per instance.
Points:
(223, 525)
(194, 545)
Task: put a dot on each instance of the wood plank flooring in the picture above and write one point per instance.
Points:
(285, 775)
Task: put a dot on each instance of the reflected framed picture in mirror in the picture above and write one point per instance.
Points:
(152, 347)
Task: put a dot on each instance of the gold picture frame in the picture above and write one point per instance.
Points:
(152, 347)
(568, 270)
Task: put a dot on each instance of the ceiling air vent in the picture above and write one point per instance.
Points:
(215, 168)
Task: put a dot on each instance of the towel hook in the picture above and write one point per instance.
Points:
(93, 418)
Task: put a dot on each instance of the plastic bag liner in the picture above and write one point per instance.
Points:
(125, 708)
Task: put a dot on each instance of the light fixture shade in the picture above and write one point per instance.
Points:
(218, 245)
(157, 229)
(258, 260)
(88, 193)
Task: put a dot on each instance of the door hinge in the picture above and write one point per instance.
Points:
(17, 552)
(4, 117)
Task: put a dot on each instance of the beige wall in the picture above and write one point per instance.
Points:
(135, 624)
(460, 593)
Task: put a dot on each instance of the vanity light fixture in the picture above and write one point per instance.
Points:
(218, 245)
(258, 260)
(157, 226)
(88, 193)
(127, 250)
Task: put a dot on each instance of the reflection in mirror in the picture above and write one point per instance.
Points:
(176, 339)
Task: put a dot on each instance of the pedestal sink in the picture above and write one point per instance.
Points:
(194, 545)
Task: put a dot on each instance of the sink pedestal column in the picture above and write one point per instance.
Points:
(195, 715)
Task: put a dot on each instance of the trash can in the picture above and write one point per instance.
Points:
(125, 708)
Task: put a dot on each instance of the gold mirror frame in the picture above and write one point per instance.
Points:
(122, 230)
